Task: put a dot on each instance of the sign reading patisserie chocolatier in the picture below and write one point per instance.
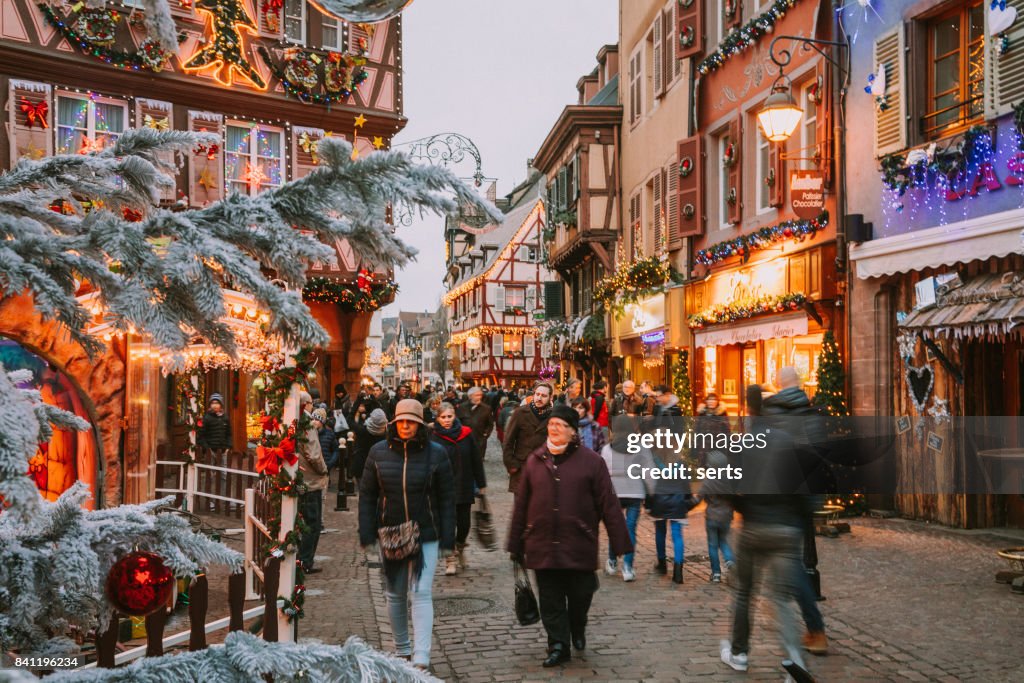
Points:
(807, 193)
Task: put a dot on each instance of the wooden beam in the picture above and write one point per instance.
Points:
(954, 371)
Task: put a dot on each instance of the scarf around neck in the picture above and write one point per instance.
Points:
(556, 450)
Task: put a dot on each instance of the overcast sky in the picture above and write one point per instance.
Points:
(499, 73)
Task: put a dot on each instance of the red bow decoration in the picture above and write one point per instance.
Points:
(268, 458)
(269, 423)
(131, 215)
(35, 112)
(211, 152)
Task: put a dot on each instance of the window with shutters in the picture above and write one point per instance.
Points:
(295, 21)
(497, 345)
(956, 70)
(653, 196)
(669, 37)
(88, 124)
(649, 72)
(670, 174)
(809, 126)
(724, 187)
(331, 33)
(658, 56)
(253, 157)
(159, 115)
(765, 173)
(636, 91)
(587, 303)
(358, 38)
(636, 233)
(512, 345)
(515, 297)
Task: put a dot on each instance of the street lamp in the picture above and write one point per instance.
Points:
(780, 114)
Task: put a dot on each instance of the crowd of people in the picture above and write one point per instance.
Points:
(419, 462)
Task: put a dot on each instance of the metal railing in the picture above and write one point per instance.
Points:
(964, 115)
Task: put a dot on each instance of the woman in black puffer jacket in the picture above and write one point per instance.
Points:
(468, 469)
(409, 478)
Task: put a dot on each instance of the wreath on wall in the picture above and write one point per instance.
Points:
(300, 69)
(98, 26)
(729, 155)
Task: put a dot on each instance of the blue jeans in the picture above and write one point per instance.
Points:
(660, 529)
(718, 537)
(398, 593)
(632, 510)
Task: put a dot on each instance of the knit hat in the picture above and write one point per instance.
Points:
(377, 423)
(409, 409)
(340, 388)
(566, 414)
(217, 397)
(320, 414)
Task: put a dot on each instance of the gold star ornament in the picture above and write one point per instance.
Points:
(378, 142)
(360, 121)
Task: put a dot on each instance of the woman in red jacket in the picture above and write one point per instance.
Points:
(468, 468)
(564, 493)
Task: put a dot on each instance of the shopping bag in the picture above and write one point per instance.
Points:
(527, 611)
(483, 522)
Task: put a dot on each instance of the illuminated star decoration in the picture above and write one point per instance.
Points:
(206, 178)
(360, 122)
(89, 146)
(254, 175)
(31, 151)
(378, 142)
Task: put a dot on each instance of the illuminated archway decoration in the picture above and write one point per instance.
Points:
(224, 49)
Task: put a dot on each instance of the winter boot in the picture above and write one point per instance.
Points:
(451, 565)
(460, 550)
(661, 567)
(677, 572)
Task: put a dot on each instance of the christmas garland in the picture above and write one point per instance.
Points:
(98, 26)
(743, 245)
(900, 171)
(740, 39)
(343, 74)
(149, 55)
(633, 281)
(362, 297)
(1018, 122)
(681, 382)
(300, 69)
(727, 313)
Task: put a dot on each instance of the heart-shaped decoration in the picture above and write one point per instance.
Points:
(1000, 19)
(919, 385)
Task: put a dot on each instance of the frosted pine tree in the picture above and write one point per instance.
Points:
(73, 219)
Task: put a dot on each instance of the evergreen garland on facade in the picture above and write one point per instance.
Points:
(681, 383)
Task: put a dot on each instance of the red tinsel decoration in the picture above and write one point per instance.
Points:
(139, 583)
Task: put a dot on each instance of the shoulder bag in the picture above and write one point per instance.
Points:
(401, 541)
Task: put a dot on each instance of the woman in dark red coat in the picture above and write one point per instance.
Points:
(564, 493)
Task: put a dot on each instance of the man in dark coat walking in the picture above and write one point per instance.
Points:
(215, 432)
(525, 432)
(565, 492)
(478, 416)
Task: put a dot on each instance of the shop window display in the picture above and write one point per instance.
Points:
(68, 456)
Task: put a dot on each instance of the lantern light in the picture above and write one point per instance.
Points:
(780, 114)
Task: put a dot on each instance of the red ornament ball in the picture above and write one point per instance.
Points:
(139, 583)
(788, 232)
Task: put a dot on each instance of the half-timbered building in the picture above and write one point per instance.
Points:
(580, 161)
(270, 82)
(495, 299)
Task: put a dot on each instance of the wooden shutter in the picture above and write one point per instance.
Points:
(776, 176)
(671, 175)
(497, 345)
(304, 141)
(671, 47)
(733, 20)
(690, 169)
(891, 123)
(161, 116)
(659, 59)
(531, 298)
(668, 52)
(689, 28)
(499, 298)
(529, 346)
(658, 228)
(563, 188)
(576, 177)
(636, 245)
(33, 140)
(635, 83)
(357, 32)
(554, 302)
(824, 121)
(1004, 74)
(269, 21)
(206, 167)
(734, 181)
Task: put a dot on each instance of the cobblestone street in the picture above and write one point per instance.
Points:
(906, 602)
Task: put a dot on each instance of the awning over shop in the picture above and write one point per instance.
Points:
(775, 328)
(991, 304)
(979, 238)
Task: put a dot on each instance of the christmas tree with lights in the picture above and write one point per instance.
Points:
(681, 383)
(831, 394)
